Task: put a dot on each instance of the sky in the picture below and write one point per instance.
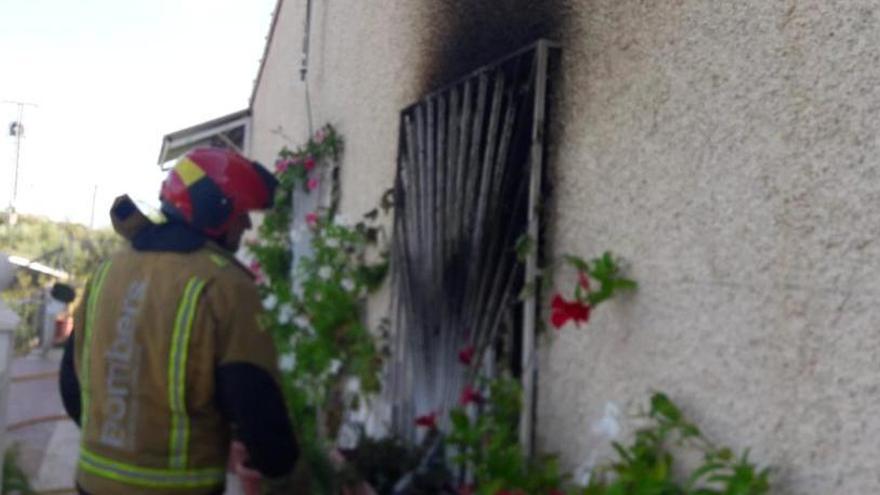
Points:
(110, 78)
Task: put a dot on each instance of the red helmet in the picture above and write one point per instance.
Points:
(208, 187)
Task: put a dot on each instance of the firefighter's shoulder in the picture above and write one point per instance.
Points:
(226, 265)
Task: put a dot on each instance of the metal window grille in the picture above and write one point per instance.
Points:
(467, 189)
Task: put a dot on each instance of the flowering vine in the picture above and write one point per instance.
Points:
(329, 360)
(484, 425)
(605, 270)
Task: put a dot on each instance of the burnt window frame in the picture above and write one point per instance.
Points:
(426, 213)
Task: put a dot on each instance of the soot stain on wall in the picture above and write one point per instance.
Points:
(463, 35)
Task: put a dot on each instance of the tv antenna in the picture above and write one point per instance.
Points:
(16, 130)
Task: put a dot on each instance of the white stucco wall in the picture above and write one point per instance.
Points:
(727, 150)
(278, 104)
(360, 77)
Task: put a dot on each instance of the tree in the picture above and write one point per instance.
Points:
(73, 248)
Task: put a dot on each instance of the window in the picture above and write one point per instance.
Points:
(467, 190)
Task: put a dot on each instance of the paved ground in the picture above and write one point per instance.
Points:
(48, 441)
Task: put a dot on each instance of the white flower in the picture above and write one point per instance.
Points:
(335, 365)
(301, 321)
(298, 291)
(342, 220)
(353, 385)
(583, 476)
(287, 362)
(332, 242)
(270, 302)
(609, 426)
(309, 330)
(285, 314)
(348, 284)
(325, 272)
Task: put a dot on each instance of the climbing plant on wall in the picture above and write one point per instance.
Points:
(329, 360)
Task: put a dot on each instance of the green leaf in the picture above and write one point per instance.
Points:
(622, 452)
(725, 454)
(689, 430)
(524, 246)
(527, 291)
(577, 262)
(703, 470)
(660, 404)
(372, 214)
(625, 284)
(387, 201)
(459, 419)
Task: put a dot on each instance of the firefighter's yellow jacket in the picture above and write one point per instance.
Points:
(167, 355)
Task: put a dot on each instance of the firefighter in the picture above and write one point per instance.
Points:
(167, 361)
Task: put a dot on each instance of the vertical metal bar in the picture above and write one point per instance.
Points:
(473, 163)
(440, 208)
(486, 171)
(459, 103)
(498, 231)
(526, 427)
(421, 182)
(488, 161)
(461, 162)
(429, 191)
(431, 267)
(400, 382)
(495, 289)
(415, 258)
(478, 265)
(451, 157)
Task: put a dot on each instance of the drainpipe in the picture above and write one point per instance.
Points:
(530, 306)
(304, 64)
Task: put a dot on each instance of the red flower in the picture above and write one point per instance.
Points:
(556, 491)
(309, 164)
(466, 355)
(283, 164)
(311, 219)
(470, 395)
(427, 421)
(257, 271)
(568, 310)
(584, 281)
(254, 266)
(312, 184)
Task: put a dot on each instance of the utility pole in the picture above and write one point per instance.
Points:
(16, 130)
(94, 198)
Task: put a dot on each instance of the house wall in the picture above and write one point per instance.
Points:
(725, 150)
(278, 103)
(728, 151)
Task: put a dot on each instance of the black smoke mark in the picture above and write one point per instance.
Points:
(466, 34)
